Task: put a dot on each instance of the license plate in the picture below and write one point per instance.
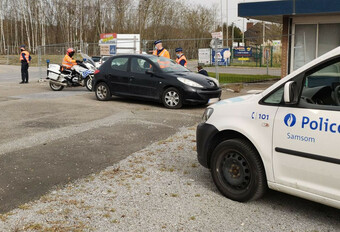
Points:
(213, 100)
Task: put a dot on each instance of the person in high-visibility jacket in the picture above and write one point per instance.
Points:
(160, 51)
(68, 62)
(25, 59)
(181, 59)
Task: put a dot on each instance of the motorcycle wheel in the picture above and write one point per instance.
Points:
(88, 83)
(56, 87)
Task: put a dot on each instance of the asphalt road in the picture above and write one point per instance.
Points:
(50, 138)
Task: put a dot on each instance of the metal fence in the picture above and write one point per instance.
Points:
(262, 61)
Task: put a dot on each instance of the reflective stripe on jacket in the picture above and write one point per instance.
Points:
(26, 55)
(178, 60)
(68, 62)
(163, 53)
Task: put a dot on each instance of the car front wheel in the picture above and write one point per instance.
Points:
(172, 98)
(103, 92)
(237, 170)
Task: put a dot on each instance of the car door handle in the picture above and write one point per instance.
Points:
(131, 78)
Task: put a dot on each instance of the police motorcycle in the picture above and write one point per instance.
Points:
(79, 75)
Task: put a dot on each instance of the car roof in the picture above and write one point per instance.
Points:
(134, 55)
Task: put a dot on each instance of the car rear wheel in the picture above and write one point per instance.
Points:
(172, 98)
(237, 170)
(103, 92)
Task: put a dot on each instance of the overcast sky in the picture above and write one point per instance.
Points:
(232, 9)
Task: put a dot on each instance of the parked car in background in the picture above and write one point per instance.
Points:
(153, 78)
(96, 60)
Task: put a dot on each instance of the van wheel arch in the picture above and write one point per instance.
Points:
(227, 135)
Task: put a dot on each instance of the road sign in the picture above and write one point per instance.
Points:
(243, 52)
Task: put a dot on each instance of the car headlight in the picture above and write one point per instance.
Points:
(189, 82)
(207, 113)
(216, 82)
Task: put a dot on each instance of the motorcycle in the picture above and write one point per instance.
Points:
(79, 75)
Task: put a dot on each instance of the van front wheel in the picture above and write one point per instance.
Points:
(238, 171)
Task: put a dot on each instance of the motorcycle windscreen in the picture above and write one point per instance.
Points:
(89, 59)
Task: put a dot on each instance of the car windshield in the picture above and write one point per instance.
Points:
(167, 65)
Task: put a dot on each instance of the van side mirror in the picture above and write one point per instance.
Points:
(290, 94)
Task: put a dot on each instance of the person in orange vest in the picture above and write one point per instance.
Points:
(160, 51)
(25, 59)
(181, 59)
(68, 62)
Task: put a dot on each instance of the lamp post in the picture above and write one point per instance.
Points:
(227, 24)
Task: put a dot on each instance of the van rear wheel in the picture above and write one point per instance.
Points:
(238, 171)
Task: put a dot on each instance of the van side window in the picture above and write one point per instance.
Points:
(275, 98)
(322, 87)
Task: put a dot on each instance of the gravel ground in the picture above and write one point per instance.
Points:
(163, 188)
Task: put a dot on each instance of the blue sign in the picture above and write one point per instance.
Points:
(243, 52)
(113, 49)
(223, 56)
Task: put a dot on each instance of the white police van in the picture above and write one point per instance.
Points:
(285, 138)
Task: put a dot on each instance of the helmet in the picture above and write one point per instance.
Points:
(70, 52)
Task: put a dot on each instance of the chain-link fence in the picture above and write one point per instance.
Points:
(260, 62)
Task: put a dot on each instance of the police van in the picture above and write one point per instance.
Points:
(286, 138)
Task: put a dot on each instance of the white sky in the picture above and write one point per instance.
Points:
(232, 9)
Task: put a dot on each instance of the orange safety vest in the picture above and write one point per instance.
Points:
(163, 53)
(178, 60)
(27, 56)
(68, 62)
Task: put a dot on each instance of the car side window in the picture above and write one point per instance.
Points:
(120, 63)
(322, 87)
(139, 65)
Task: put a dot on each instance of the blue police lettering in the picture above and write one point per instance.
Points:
(321, 124)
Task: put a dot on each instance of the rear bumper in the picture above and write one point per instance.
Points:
(204, 139)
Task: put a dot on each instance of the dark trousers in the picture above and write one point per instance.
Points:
(24, 72)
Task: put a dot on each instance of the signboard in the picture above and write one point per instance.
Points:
(243, 52)
(217, 35)
(222, 56)
(108, 38)
(112, 43)
(243, 58)
(204, 56)
(276, 42)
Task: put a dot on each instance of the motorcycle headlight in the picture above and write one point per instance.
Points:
(207, 113)
(189, 82)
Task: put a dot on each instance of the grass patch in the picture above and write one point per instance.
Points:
(242, 78)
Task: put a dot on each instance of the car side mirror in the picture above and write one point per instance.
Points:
(290, 93)
(150, 72)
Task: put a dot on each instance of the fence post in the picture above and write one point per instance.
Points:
(144, 45)
(216, 60)
(39, 61)
(271, 56)
(7, 54)
(261, 56)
